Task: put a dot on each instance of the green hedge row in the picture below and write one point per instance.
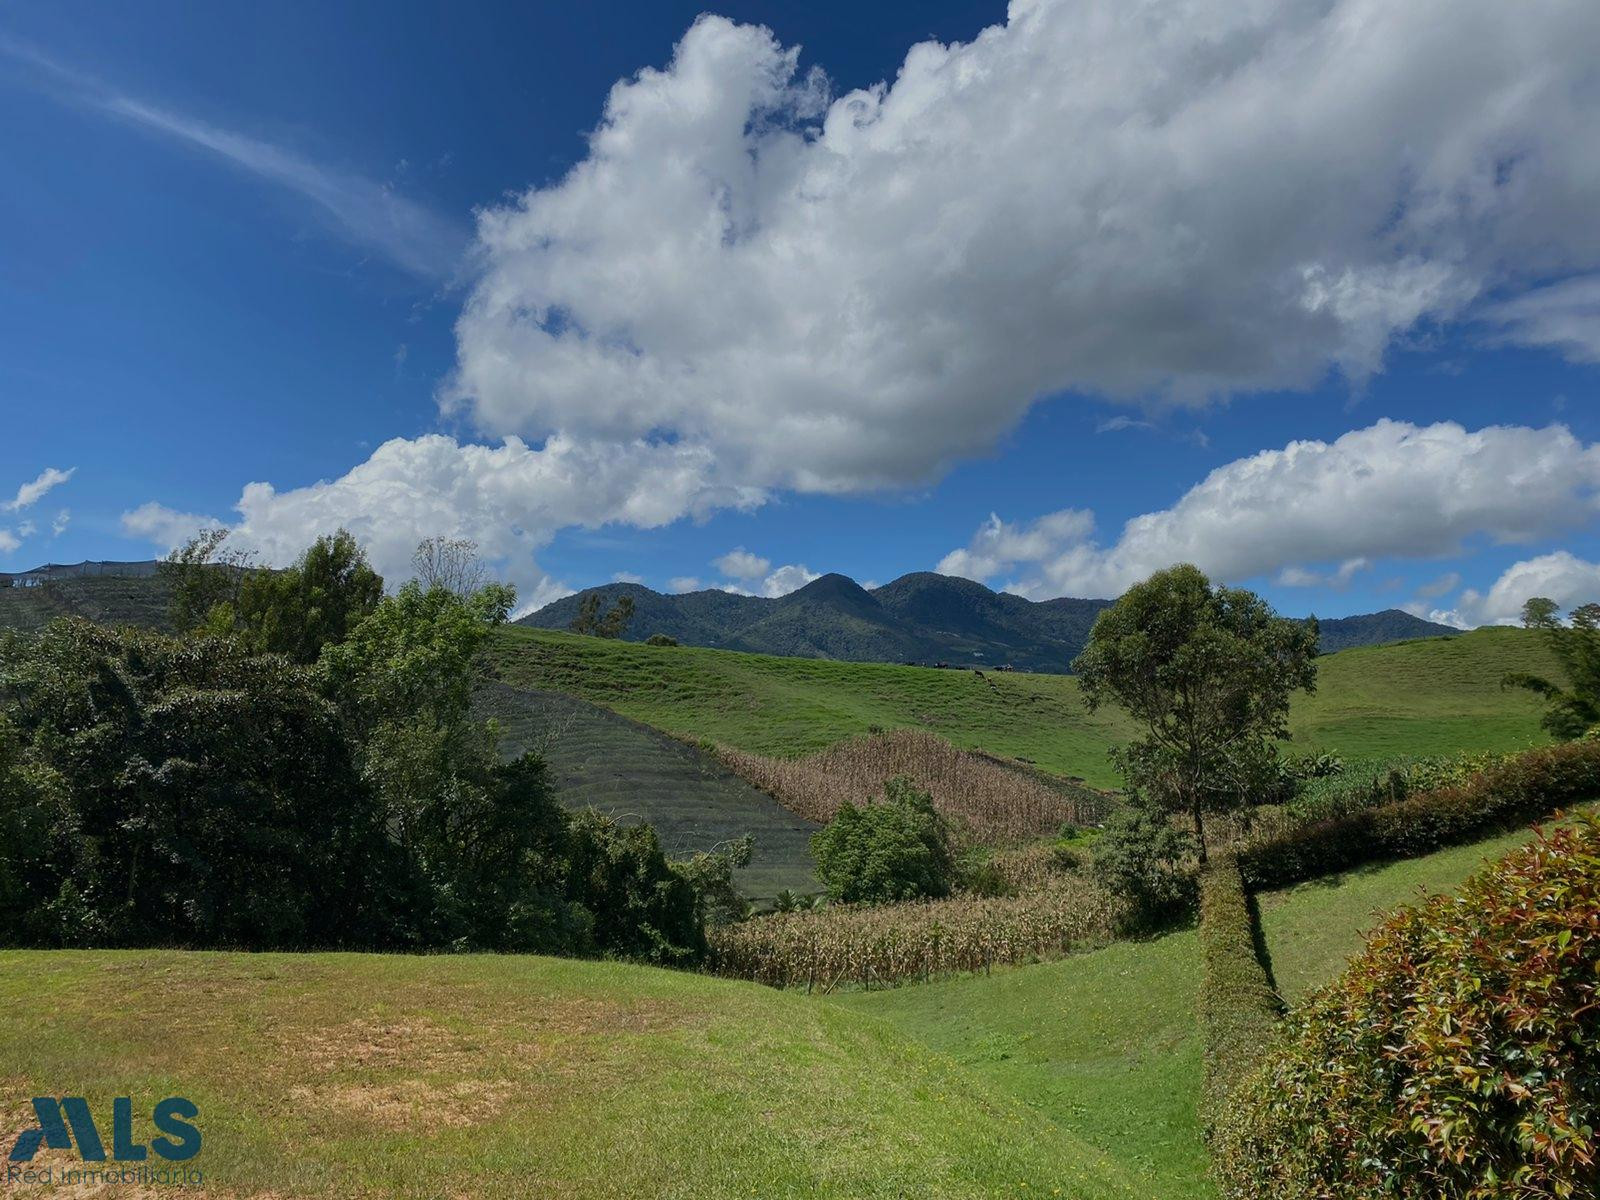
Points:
(1455, 1058)
(1516, 791)
(1239, 1010)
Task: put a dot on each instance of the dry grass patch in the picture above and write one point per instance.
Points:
(984, 800)
(412, 1105)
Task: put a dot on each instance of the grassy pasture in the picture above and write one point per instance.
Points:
(351, 1075)
(636, 773)
(1432, 696)
(357, 1075)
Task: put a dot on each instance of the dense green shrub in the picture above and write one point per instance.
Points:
(1146, 863)
(1383, 781)
(897, 848)
(1239, 1009)
(1458, 1057)
(157, 791)
(194, 791)
(660, 639)
(643, 908)
(1509, 792)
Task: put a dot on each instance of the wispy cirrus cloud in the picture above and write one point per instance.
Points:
(31, 492)
(363, 212)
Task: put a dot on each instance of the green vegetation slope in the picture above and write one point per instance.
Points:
(1433, 696)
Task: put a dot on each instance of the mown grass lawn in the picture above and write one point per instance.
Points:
(1102, 1045)
(349, 1075)
(1434, 696)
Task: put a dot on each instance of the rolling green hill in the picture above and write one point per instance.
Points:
(376, 1075)
(1433, 696)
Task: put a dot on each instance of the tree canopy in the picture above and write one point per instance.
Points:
(1208, 672)
(1573, 710)
(304, 767)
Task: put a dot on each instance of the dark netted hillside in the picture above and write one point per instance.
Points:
(105, 600)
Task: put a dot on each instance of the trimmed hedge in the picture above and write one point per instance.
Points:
(1239, 1010)
(1457, 1058)
(1519, 790)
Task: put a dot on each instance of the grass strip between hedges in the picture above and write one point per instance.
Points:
(1239, 1009)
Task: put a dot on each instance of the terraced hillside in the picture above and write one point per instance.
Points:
(1433, 696)
(105, 599)
(637, 773)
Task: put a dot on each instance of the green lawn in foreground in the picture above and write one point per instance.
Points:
(1102, 1045)
(345, 1075)
(1105, 1044)
(1433, 696)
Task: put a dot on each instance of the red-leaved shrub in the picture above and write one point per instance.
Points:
(1458, 1057)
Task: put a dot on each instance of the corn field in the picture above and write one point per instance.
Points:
(985, 801)
(888, 944)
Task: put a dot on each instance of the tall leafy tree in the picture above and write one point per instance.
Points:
(317, 602)
(1208, 673)
(486, 837)
(1573, 710)
(178, 791)
(204, 576)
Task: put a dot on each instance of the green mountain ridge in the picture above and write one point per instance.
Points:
(922, 618)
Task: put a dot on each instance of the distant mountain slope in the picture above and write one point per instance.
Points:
(920, 618)
(1376, 629)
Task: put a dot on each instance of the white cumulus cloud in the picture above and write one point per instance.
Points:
(1392, 490)
(739, 563)
(787, 579)
(166, 528)
(510, 499)
(1560, 576)
(851, 291)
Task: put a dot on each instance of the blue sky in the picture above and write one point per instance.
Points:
(1034, 286)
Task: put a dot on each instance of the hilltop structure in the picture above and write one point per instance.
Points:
(50, 572)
